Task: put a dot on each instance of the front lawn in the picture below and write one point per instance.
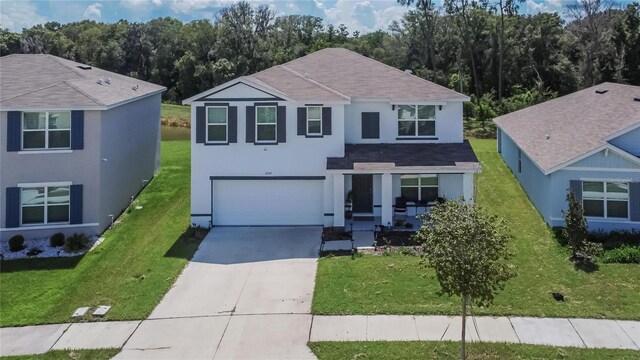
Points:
(99, 354)
(131, 270)
(451, 350)
(395, 284)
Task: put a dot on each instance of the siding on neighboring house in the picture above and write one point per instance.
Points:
(533, 181)
(53, 167)
(602, 159)
(129, 141)
(629, 142)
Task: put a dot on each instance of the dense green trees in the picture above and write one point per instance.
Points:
(483, 48)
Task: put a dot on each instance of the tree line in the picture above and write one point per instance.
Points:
(503, 59)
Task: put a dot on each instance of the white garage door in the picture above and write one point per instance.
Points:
(268, 202)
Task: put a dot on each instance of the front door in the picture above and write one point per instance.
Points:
(362, 187)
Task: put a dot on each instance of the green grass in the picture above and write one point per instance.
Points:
(131, 270)
(101, 354)
(451, 350)
(398, 285)
(180, 112)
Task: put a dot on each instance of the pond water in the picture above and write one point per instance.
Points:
(171, 133)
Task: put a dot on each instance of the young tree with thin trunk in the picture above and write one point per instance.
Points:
(468, 249)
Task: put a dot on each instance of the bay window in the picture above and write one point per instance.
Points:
(416, 120)
(605, 199)
(46, 130)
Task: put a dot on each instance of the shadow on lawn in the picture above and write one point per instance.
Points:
(187, 244)
(7, 266)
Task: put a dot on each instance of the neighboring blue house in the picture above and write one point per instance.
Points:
(587, 142)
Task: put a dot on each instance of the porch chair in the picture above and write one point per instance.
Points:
(400, 208)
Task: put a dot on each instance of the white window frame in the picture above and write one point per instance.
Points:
(420, 185)
(46, 187)
(605, 199)
(226, 125)
(275, 125)
(416, 121)
(319, 133)
(45, 130)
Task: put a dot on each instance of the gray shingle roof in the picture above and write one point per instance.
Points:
(341, 74)
(560, 130)
(459, 155)
(39, 81)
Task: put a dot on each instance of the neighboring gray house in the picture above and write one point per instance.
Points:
(76, 143)
(587, 142)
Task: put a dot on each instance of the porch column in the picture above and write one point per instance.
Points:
(467, 187)
(338, 199)
(387, 199)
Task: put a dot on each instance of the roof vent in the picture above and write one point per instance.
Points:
(84, 67)
(637, 98)
(100, 81)
(548, 136)
(108, 81)
(135, 87)
(408, 72)
(601, 91)
(306, 75)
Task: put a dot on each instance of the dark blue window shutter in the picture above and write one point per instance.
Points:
(326, 121)
(251, 124)
(575, 186)
(233, 124)
(201, 123)
(370, 125)
(13, 130)
(12, 219)
(75, 202)
(77, 130)
(282, 124)
(634, 200)
(302, 121)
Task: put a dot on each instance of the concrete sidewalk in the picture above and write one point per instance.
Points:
(589, 333)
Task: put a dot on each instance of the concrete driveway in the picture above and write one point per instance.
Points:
(246, 294)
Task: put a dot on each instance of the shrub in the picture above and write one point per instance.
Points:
(56, 240)
(616, 239)
(16, 243)
(623, 255)
(76, 242)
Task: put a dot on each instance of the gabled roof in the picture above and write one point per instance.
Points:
(341, 75)
(558, 132)
(39, 81)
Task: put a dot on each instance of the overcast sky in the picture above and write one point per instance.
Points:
(362, 15)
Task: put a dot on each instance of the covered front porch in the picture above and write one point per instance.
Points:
(381, 184)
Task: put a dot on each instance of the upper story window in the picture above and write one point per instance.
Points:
(217, 124)
(46, 130)
(45, 205)
(266, 124)
(605, 199)
(419, 188)
(416, 120)
(314, 120)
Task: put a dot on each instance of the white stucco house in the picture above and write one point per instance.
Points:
(287, 145)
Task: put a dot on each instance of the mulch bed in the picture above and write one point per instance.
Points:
(396, 238)
(331, 233)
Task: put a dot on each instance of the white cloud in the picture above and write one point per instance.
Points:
(93, 11)
(16, 15)
(364, 15)
(186, 6)
(139, 4)
(544, 6)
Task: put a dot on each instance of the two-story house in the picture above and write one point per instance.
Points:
(588, 143)
(288, 145)
(76, 144)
